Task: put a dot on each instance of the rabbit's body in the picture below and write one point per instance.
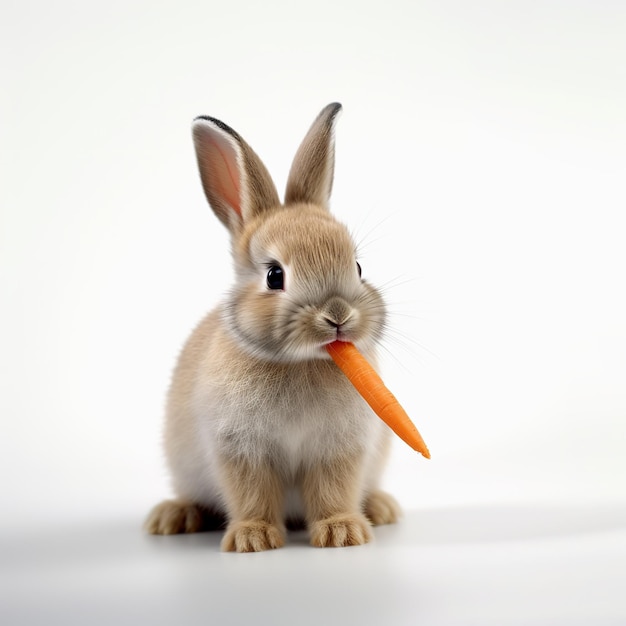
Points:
(277, 411)
(261, 425)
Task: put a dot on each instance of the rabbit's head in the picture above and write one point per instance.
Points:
(298, 283)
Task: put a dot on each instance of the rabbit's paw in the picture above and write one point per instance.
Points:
(252, 536)
(382, 508)
(340, 530)
(174, 516)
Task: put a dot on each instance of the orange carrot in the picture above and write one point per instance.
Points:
(369, 384)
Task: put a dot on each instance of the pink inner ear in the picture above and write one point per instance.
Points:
(223, 162)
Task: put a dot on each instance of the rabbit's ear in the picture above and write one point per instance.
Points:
(311, 175)
(235, 181)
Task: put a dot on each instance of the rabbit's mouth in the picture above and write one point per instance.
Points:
(341, 335)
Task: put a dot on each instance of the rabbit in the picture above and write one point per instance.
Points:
(262, 429)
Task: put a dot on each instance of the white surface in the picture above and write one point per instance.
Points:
(480, 161)
(557, 566)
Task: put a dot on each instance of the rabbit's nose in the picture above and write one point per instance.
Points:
(337, 312)
(332, 322)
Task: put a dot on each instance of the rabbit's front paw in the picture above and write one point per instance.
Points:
(252, 536)
(341, 530)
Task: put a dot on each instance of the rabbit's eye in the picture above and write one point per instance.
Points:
(358, 268)
(275, 277)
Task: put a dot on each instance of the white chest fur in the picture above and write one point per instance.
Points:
(293, 416)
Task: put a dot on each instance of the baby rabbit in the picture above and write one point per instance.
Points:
(262, 428)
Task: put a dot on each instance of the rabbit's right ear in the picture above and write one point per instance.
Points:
(311, 175)
(235, 181)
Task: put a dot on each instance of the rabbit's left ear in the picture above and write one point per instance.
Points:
(235, 181)
(311, 175)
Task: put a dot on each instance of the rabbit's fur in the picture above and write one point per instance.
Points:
(261, 425)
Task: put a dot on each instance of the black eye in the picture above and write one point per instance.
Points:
(358, 269)
(275, 277)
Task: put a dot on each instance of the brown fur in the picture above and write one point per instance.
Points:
(172, 517)
(256, 410)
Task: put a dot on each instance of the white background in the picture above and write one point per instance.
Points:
(481, 161)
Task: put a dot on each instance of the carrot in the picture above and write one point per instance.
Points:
(369, 384)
